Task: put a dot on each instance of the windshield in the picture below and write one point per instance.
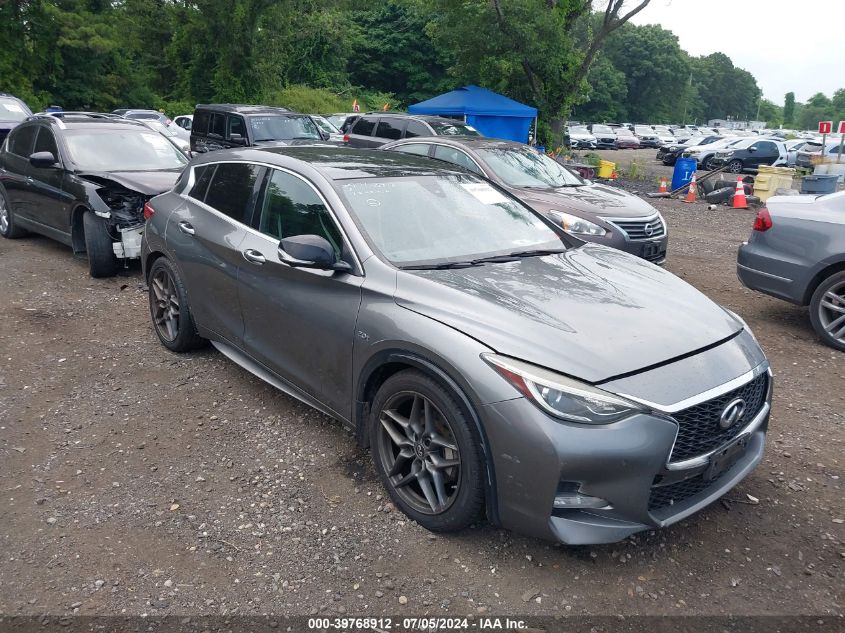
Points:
(602, 129)
(122, 150)
(524, 167)
(12, 110)
(325, 125)
(659, 129)
(337, 120)
(283, 128)
(143, 115)
(579, 129)
(643, 129)
(452, 128)
(420, 220)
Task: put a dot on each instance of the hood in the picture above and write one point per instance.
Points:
(592, 312)
(149, 183)
(596, 200)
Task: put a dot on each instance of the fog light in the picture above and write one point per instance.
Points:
(575, 500)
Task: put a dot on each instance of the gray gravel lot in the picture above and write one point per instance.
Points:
(138, 481)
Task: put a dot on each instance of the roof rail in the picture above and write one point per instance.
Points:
(47, 116)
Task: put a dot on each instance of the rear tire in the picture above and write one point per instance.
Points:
(102, 261)
(426, 452)
(8, 229)
(827, 311)
(169, 308)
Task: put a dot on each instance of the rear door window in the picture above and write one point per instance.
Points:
(364, 126)
(217, 127)
(232, 190)
(236, 126)
(390, 129)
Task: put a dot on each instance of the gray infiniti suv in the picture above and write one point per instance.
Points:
(495, 365)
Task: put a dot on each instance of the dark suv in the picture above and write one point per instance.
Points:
(83, 180)
(12, 112)
(374, 129)
(226, 125)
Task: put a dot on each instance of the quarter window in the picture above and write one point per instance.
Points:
(292, 207)
(231, 190)
(200, 125)
(202, 176)
(22, 140)
(421, 149)
(456, 157)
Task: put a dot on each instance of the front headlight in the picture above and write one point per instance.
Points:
(575, 225)
(563, 397)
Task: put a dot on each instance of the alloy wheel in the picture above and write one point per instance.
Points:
(4, 216)
(419, 452)
(165, 305)
(735, 166)
(832, 312)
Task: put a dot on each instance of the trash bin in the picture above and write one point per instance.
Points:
(684, 170)
(606, 169)
(770, 179)
(819, 184)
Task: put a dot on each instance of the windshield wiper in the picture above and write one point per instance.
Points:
(443, 266)
(539, 252)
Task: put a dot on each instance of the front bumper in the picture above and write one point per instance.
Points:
(625, 463)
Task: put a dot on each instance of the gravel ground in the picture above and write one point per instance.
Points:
(136, 481)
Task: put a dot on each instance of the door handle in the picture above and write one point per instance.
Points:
(254, 256)
(186, 228)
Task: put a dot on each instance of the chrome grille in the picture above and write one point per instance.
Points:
(640, 228)
(698, 426)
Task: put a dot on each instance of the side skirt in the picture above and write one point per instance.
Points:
(258, 370)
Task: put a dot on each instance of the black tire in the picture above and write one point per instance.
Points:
(446, 436)
(735, 166)
(169, 309)
(8, 229)
(102, 261)
(708, 164)
(827, 307)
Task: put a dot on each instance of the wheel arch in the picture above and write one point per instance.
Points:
(819, 277)
(147, 262)
(385, 364)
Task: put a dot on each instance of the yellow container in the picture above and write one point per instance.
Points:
(606, 169)
(770, 179)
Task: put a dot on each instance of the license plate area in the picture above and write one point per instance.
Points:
(652, 249)
(723, 460)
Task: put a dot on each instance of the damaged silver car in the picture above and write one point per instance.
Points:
(83, 179)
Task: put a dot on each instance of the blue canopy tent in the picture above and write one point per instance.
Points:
(490, 113)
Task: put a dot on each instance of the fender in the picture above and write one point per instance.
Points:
(458, 387)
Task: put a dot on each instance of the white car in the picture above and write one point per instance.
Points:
(328, 127)
(185, 121)
(705, 153)
(664, 135)
(581, 138)
(175, 134)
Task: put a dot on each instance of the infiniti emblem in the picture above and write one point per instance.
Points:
(648, 229)
(732, 413)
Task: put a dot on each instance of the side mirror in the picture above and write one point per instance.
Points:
(310, 251)
(237, 139)
(752, 149)
(42, 159)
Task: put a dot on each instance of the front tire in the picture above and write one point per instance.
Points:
(735, 166)
(827, 311)
(102, 261)
(8, 229)
(171, 314)
(426, 452)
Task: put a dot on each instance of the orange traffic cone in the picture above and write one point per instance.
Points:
(739, 195)
(664, 187)
(614, 175)
(693, 189)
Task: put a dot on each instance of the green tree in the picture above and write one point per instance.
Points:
(607, 94)
(789, 108)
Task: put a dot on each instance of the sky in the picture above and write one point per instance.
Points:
(788, 45)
